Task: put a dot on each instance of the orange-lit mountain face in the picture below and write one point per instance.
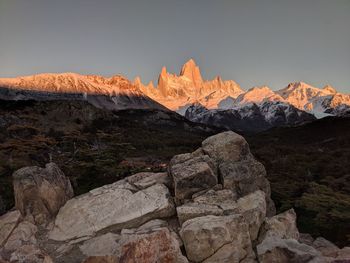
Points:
(178, 92)
(73, 83)
(114, 93)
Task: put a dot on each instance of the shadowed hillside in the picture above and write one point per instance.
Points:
(92, 146)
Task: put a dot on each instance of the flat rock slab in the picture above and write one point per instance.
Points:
(111, 206)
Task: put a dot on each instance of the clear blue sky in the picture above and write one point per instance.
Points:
(252, 42)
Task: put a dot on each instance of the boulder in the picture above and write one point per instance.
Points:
(192, 175)
(205, 237)
(151, 242)
(244, 177)
(41, 192)
(24, 233)
(209, 202)
(276, 249)
(226, 147)
(306, 239)
(282, 226)
(111, 206)
(226, 254)
(238, 170)
(327, 248)
(30, 254)
(101, 245)
(158, 245)
(343, 255)
(8, 222)
(253, 209)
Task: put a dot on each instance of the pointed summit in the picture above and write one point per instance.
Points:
(191, 71)
(330, 89)
(137, 81)
(163, 72)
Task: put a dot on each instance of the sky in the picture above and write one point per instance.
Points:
(261, 42)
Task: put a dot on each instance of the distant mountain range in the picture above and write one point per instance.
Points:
(216, 102)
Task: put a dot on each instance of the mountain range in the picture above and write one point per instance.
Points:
(217, 102)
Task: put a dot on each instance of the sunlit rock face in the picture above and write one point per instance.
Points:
(113, 93)
(177, 91)
(174, 92)
(311, 99)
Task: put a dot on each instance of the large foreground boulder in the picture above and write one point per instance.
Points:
(216, 239)
(112, 206)
(152, 242)
(41, 192)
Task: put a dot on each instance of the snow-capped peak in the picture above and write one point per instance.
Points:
(257, 95)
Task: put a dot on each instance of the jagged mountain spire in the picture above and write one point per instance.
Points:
(191, 71)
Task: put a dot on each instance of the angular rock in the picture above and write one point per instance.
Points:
(223, 198)
(344, 255)
(238, 170)
(111, 206)
(306, 239)
(24, 233)
(275, 249)
(101, 245)
(226, 254)
(327, 248)
(30, 254)
(192, 210)
(226, 147)
(205, 237)
(159, 245)
(253, 209)
(8, 222)
(147, 179)
(41, 192)
(244, 177)
(282, 226)
(192, 175)
(151, 242)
